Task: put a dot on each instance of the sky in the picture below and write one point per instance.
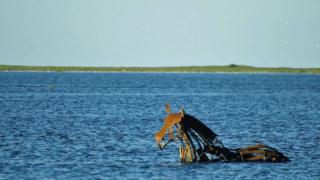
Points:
(263, 33)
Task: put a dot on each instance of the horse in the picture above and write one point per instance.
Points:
(198, 143)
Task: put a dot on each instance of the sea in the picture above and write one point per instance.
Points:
(86, 125)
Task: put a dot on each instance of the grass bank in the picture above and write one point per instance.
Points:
(228, 68)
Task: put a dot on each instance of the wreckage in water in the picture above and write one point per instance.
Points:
(199, 144)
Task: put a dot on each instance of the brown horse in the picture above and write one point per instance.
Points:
(199, 144)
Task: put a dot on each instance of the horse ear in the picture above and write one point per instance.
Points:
(182, 112)
(168, 109)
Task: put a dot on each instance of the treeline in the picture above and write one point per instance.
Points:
(228, 68)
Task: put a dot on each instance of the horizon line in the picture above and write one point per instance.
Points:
(174, 66)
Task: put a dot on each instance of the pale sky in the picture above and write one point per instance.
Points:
(269, 33)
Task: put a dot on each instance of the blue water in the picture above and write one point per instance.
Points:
(101, 125)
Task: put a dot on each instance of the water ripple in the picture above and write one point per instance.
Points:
(101, 125)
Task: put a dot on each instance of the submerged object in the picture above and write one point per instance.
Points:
(198, 143)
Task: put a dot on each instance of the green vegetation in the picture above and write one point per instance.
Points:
(229, 68)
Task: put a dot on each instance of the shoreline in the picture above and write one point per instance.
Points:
(158, 72)
(183, 69)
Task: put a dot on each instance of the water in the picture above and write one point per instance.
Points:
(101, 125)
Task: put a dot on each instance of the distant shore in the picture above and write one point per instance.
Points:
(232, 68)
